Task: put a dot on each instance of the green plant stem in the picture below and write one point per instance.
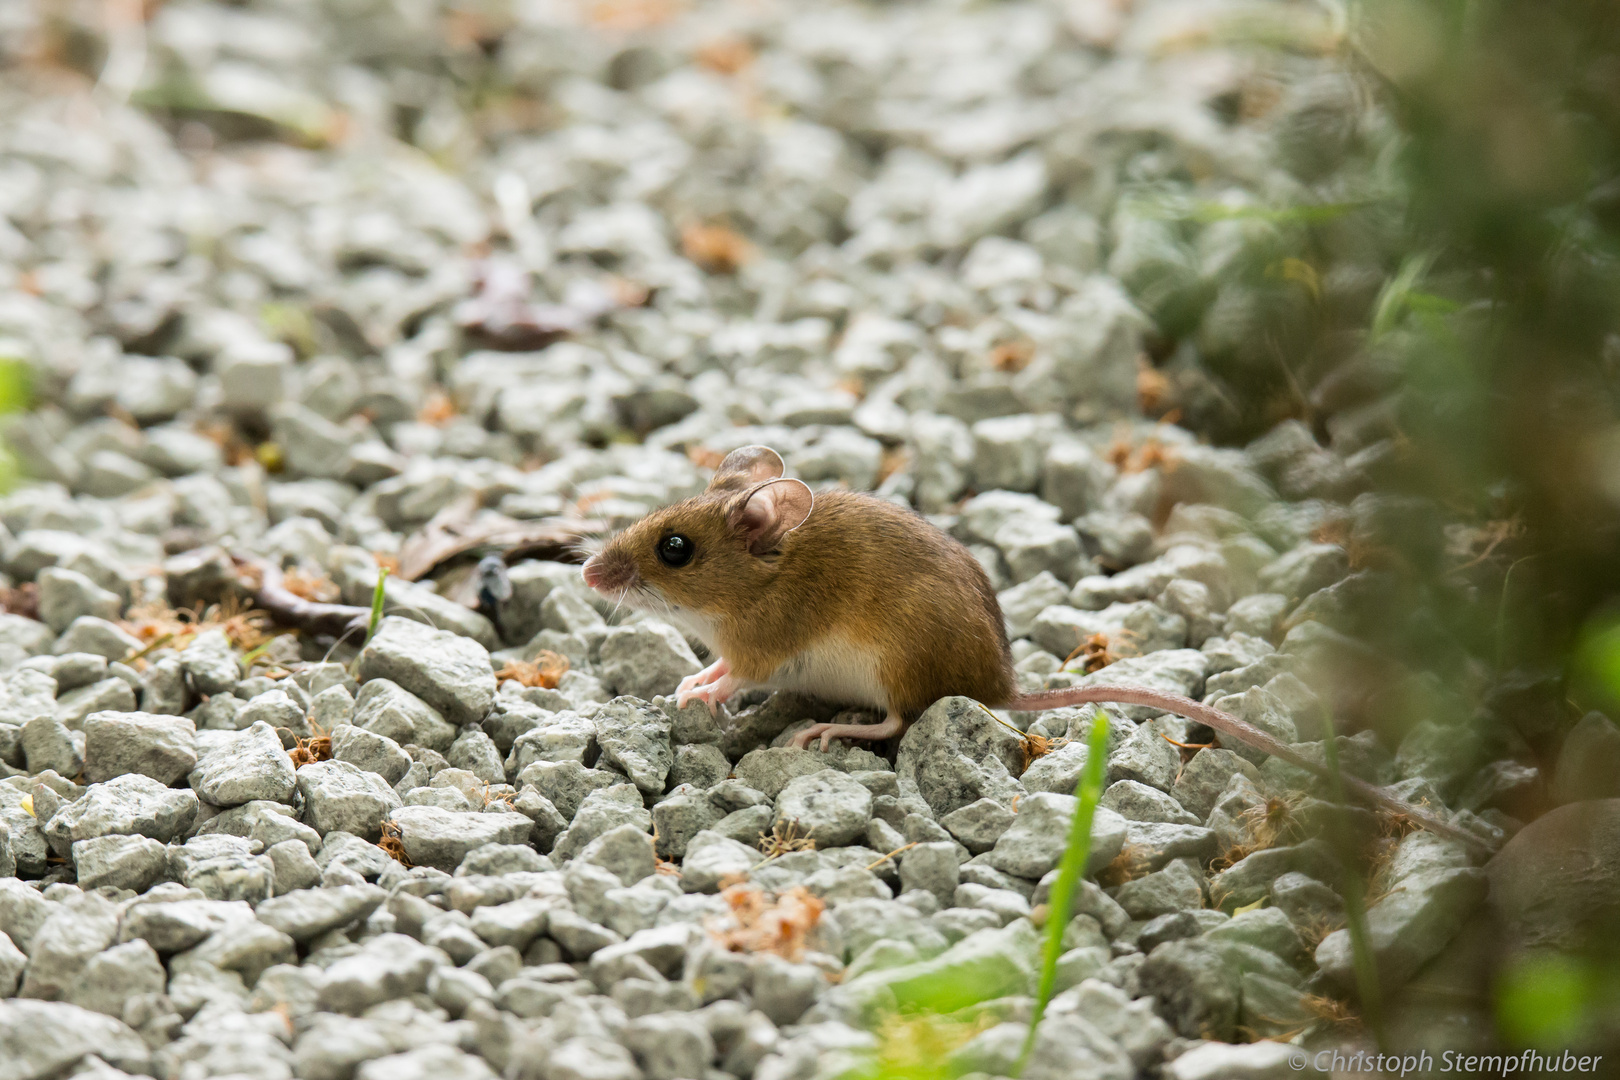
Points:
(1075, 856)
(376, 604)
(376, 616)
(1355, 906)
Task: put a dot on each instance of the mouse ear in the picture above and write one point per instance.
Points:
(771, 511)
(747, 466)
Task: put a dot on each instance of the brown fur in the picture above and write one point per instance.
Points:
(878, 573)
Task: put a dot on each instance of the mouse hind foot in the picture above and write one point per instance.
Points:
(828, 732)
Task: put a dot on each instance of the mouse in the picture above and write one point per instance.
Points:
(854, 599)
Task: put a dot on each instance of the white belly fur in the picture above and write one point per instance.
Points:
(835, 670)
(691, 623)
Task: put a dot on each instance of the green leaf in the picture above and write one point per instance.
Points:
(1075, 856)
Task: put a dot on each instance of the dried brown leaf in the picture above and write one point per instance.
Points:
(715, 248)
(438, 410)
(726, 55)
(545, 670)
(1152, 387)
(761, 922)
(1012, 356)
(316, 587)
(21, 600)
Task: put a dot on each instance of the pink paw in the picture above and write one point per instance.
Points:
(711, 694)
(689, 685)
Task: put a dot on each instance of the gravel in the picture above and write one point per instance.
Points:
(282, 287)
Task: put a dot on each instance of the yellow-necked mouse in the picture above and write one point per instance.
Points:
(853, 599)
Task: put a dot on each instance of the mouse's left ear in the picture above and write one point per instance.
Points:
(747, 466)
(769, 512)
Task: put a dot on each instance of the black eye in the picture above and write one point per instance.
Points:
(675, 550)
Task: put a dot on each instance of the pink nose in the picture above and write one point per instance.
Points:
(593, 573)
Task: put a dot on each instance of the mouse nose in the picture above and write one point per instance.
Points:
(593, 572)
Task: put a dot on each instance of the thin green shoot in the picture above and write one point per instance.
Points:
(1355, 898)
(376, 604)
(1075, 856)
(255, 653)
(376, 617)
(1397, 293)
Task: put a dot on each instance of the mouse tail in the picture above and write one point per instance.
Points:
(1243, 731)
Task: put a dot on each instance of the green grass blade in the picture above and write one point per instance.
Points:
(1355, 905)
(376, 602)
(1075, 856)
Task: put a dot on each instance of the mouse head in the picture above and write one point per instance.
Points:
(705, 554)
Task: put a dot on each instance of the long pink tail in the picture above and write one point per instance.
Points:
(1244, 732)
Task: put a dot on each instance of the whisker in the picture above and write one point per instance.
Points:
(336, 643)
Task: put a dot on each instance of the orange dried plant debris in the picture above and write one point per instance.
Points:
(21, 600)
(783, 838)
(545, 670)
(1266, 824)
(438, 410)
(230, 441)
(1132, 862)
(1128, 458)
(1332, 531)
(488, 796)
(726, 55)
(762, 922)
(1012, 356)
(1332, 1012)
(393, 844)
(583, 504)
(1492, 535)
(310, 750)
(704, 458)
(1094, 651)
(311, 586)
(1152, 387)
(894, 459)
(632, 14)
(1037, 746)
(307, 751)
(246, 628)
(716, 248)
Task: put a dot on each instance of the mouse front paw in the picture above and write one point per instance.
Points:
(712, 694)
(708, 675)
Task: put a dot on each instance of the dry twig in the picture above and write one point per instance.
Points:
(462, 527)
(289, 609)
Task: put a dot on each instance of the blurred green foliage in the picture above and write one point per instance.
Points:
(1552, 1002)
(1434, 293)
(16, 395)
(1489, 356)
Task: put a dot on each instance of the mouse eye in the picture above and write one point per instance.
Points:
(675, 550)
